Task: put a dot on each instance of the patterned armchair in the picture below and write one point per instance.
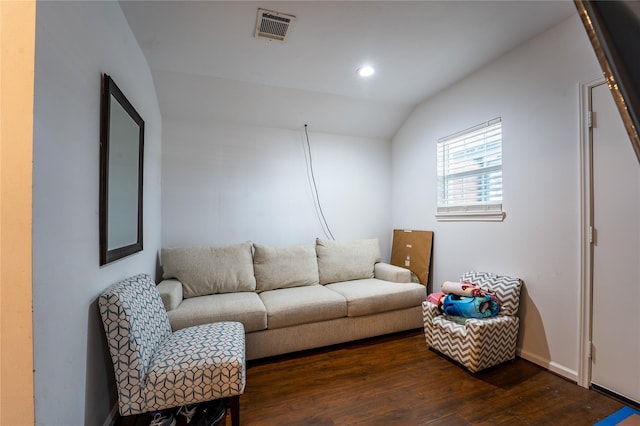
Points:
(478, 343)
(156, 369)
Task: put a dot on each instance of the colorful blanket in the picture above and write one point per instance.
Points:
(464, 289)
(466, 300)
(470, 307)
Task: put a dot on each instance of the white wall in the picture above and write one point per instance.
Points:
(226, 183)
(534, 88)
(75, 43)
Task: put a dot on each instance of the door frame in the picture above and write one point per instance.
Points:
(17, 389)
(586, 227)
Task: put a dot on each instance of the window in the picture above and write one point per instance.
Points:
(470, 174)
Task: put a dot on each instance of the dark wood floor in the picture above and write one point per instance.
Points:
(396, 380)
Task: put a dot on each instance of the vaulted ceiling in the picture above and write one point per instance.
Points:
(208, 66)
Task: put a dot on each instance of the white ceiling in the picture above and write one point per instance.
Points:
(207, 65)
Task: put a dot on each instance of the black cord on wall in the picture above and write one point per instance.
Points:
(310, 172)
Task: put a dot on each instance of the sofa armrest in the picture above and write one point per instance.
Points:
(170, 293)
(387, 272)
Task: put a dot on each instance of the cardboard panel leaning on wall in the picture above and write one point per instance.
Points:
(411, 249)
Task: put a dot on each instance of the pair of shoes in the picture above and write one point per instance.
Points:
(188, 411)
(162, 418)
(209, 413)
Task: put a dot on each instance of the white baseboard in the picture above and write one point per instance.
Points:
(112, 417)
(556, 368)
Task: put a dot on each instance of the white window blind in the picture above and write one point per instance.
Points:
(470, 173)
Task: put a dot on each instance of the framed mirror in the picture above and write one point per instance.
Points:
(121, 167)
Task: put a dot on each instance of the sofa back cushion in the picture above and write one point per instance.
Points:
(284, 267)
(210, 270)
(346, 260)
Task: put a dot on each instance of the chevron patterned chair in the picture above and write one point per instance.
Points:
(478, 343)
(157, 369)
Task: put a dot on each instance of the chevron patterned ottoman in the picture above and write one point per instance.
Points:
(478, 343)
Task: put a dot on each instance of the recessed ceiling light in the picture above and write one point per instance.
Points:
(366, 71)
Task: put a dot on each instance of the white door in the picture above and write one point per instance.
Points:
(616, 252)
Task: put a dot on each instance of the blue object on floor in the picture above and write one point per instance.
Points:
(617, 417)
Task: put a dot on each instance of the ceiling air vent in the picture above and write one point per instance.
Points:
(273, 25)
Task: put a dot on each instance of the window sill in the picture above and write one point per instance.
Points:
(471, 217)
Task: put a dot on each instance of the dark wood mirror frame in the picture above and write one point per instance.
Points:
(613, 28)
(121, 141)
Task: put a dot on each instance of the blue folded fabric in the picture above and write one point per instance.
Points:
(470, 307)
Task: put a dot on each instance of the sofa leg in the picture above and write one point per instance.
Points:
(234, 402)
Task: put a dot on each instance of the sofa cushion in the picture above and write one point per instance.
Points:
(346, 260)
(210, 270)
(302, 305)
(244, 307)
(284, 267)
(371, 296)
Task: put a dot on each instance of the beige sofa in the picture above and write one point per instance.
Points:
(294, 298)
